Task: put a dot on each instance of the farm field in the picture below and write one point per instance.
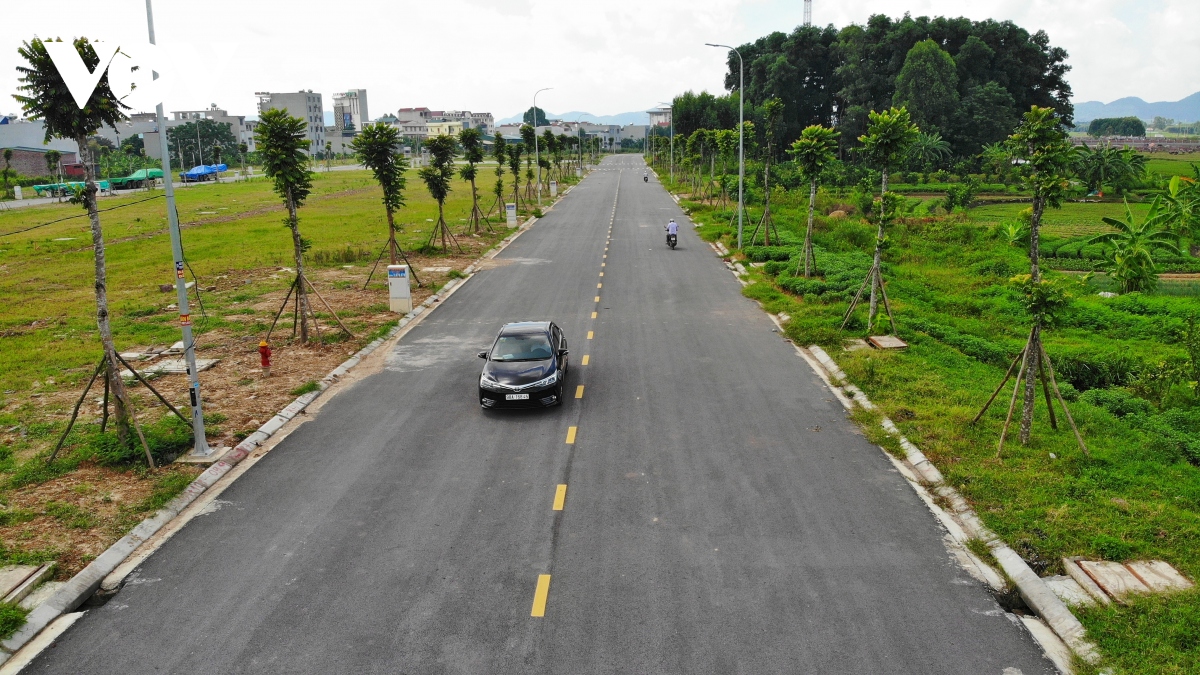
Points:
(240, 255)
(1138, 494)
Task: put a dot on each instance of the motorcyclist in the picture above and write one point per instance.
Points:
(646, 176)
(672, 230)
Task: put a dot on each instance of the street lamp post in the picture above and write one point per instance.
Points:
(537, 158)
(741, 139)
(201, 448)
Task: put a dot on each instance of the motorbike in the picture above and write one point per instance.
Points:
(672, 239)
(645, 178)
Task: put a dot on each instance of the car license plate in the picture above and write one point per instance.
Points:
(516, 397)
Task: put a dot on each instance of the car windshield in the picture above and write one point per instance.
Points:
(522, 348)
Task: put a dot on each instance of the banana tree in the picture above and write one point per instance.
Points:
(1129, 259)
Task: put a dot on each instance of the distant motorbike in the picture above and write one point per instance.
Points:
(672, 239)
(645, 178)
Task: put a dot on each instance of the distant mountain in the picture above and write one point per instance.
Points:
(1187, 110)
(637, 117)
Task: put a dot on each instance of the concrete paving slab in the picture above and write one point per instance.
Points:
(1159, 576)
(887, 342)
(1113, 578)
(1069, 591)
(41, 593)
(12, 576)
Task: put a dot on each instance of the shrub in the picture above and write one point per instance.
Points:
(167, 438)
(1117, 401)
(970, 345)
(766, 253)
(307, 387)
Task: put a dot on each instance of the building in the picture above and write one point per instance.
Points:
(237, 123)
(350, 110)
(444, 128)
(27, 134)
(660, 117)
(469, 120)
(303, 104)
(31, 161)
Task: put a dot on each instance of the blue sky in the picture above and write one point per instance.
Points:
(603, 57)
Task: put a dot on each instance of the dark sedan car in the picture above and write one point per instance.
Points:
(525, 368)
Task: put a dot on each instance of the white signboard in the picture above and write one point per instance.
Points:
(553, 188)
(17, 190)
(511, 210)
(399, 292)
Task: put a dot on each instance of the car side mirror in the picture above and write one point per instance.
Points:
(482, 354)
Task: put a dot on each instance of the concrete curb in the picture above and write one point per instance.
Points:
(966, 523)
(1036, 594)
(84, 584)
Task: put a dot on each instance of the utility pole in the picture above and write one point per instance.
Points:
(807, 12)
(537, 157)
(201, 448)
(741, 137)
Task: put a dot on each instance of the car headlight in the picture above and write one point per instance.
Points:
(545, 382)
(491, 385)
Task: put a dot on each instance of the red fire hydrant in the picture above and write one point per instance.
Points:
(265, 352)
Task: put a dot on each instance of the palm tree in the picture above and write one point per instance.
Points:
(1103, 166)
(929, 150)
(377, 147)
(1130, 256)
(44, 96)
(471, 141)
(437, 177)
(282, 142)
(889, 136)
(812, 152)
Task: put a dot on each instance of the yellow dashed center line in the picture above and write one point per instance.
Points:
(539, 595)
(571, 435)
(597, 298)
(593, 315)
(579, 391)
(560, 497)
(586, 358)
(590, 334)
(599, 285)
(602, 274)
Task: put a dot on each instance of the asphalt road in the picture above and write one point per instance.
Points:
(721, 515)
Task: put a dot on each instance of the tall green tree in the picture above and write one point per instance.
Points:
(927, 86)
(1101, 166)
(44, 96)
(772, 113)
(500, 154)
(378, 147)
(889, 136)
(216, 158)
(471, 141)
(813, 152)
(8, 172)
(282, 143)
(1130, 250)
(1042, 153)
(182, 140)
(528, 139)
(528, 117)
(242, 149)
(438, 176)
(514, 166)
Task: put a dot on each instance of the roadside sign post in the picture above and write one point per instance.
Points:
(201, 448)
(399, 292)
(553, 188)
(511, 210)
(17, 192)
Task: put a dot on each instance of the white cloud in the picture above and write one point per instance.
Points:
(601, 57)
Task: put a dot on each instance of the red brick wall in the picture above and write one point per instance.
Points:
(33, 163)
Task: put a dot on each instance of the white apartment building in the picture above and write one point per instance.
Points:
(350, 110)
(303, 104)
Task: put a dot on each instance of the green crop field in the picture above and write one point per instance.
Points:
(1137, 496)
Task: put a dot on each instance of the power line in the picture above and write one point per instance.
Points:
(81, 215)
